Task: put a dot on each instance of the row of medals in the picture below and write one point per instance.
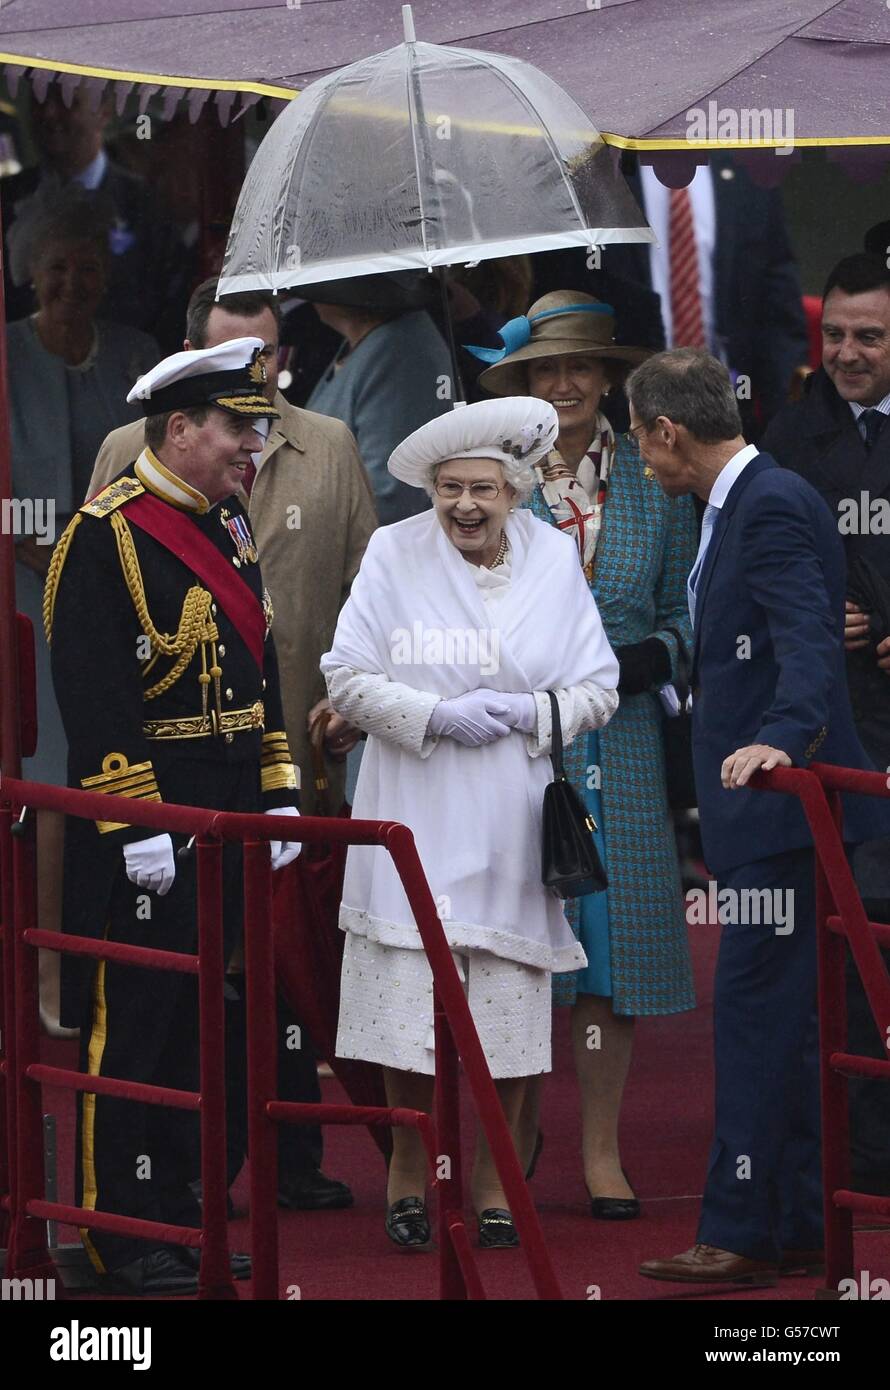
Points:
(247, 551)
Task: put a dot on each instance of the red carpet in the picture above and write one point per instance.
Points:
(665, 1138)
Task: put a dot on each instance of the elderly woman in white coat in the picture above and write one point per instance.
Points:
(443, 654)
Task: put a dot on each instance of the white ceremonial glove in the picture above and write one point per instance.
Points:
(284, 851)
(472, 719)
(150, 864)
(522, 712)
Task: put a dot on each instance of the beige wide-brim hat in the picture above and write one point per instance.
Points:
(517, 429)
(565, 323)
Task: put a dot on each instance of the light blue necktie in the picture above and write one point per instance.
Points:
(707, 526)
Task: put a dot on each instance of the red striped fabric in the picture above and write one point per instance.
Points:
(686, 305)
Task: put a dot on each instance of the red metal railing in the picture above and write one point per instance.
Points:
(840, 917)
(455, 1033)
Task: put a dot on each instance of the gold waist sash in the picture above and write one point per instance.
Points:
(231, 721)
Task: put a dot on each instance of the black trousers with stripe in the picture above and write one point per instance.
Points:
(142, 1025)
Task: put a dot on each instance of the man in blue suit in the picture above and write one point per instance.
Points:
(766, 596)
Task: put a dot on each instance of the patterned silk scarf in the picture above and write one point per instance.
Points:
(576, 504)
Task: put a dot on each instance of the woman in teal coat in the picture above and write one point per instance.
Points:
(637, 547)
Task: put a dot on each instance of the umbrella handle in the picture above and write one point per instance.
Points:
(456, 378)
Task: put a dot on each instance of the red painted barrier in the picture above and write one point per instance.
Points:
(456, 1038)
(840, 917)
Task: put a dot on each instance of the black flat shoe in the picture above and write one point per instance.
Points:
(407, 1224)
(614, 1208)
(314, 1192)
(157, 1272)
(239, 1264)
(496, 1229)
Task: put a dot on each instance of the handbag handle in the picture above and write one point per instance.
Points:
(684, 670)
(556, 738)
(319, 771)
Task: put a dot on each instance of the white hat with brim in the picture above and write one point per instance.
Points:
(510, 430)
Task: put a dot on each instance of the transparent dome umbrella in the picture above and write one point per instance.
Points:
(423, 156)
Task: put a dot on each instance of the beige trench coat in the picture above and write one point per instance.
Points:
(312, 512)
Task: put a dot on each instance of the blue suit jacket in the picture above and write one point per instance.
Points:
(768, 664)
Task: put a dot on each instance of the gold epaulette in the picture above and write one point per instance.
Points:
(113, 496)
(105, 502)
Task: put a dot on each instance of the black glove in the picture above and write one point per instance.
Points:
(642, 665)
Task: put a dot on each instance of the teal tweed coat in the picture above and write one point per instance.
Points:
(646, 549)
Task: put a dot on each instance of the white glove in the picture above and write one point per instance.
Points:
(472, 719)
(522, 712)
(150, 863)
(284, 851)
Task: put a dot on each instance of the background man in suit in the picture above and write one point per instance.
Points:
(838, 438)
(726, 275)
(141, 243)
(767, 602)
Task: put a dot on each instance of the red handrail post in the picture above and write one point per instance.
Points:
(448, 1174)
(8, 1120)
(262, 1068)
(400, 843)
(832, 951)
(28, 1254)
(215, 1279)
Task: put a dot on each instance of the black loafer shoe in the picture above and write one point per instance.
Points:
(155, 1273)
(314, 1192)
(496, 1229)
(408, 1225)
(239, 1264)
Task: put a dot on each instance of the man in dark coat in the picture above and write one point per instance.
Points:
(167, 681)
(838, 438)
(753, 298)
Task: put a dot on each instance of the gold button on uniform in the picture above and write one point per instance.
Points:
(230, 738)
(221, 649)
(230, 694)
(213, 609)
(236, 562)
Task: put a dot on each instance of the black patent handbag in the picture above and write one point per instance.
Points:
(570, 864)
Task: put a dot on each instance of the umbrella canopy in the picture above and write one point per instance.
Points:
(418, 157)
(637, 66)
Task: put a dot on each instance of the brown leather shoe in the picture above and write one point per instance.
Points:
(705, 1264)
(801, 1262)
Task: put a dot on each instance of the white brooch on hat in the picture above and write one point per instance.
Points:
(528, 440)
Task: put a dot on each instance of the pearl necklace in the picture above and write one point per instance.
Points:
(501, 555)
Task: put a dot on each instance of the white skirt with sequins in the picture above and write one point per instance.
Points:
(386, 1008)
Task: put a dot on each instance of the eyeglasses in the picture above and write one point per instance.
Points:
(636, 431)
(480, 492)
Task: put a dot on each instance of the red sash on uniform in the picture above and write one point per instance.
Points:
(174, 530)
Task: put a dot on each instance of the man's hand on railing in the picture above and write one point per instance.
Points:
(884, 655)
(150, 864)
(284, 852)
(739, 766)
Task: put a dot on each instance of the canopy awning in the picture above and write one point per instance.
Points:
(651, 74)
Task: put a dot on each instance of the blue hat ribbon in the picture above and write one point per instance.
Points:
(515, 333)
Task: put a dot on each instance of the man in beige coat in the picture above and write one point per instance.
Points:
(312, 513)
